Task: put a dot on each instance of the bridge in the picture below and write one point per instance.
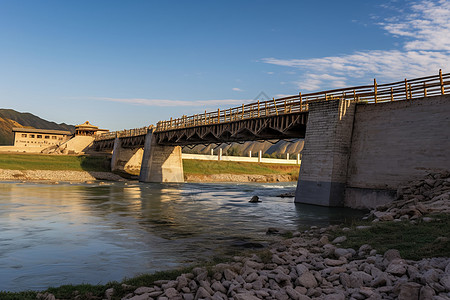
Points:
(325, 119)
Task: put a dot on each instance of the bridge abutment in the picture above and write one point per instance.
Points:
(323, 172)
(160, 163)
(125, 159)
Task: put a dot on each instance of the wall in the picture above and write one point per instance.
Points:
(394, 143)
(323, 172)
(242, 159)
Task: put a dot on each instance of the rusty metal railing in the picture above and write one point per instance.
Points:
(375, 93)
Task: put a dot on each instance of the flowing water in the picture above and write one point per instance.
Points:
(78, 233)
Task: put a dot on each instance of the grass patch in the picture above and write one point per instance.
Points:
(30, 295)
(53, 162)
(209, 167)
(413, 241)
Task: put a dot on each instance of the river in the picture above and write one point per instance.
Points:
(54, 234)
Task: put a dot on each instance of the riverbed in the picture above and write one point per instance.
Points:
(55, 234)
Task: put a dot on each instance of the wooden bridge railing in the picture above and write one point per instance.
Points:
(401, 90)
(123, 133)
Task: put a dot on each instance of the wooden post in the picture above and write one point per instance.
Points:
(410, 92)
(325, 96)
(301, 104)
(205, 118)
(392, 94)
(230, 115)
(424, 89)
(354, 95)
(242, 116)
(258, 108)
(266, 108)
(218, 115)
(442, 82)
(285, 106)
(170, 123)
(224, 115)
(406, 89)
(375, 89)
(276, 109)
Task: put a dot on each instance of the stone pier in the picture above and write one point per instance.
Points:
(161, 163)
(323, 172)
(125, 159)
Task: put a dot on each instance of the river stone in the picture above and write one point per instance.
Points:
(339, 239)
(251, 277)
(366, 278)
(217, 286)
(426, 292)
(409, 290)
(245, 296)
(254, 265)
(172, 293)
(229, 275)
(109, 293)
(334, 297)
(144, 296)
(202, 293)
(338, 252)
(445, 282)
(181, 282)
(350, 281)
(396, 267)
(307, 279)
(334, 262)
(430, 277)
(391, 254)
(188, 296)
(143, 289)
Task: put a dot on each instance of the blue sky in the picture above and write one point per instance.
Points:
(128, 64)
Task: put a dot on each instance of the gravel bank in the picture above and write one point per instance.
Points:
(239, 178)
(55, 176)
(307, 267)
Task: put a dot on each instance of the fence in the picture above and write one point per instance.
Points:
(401, 90)
(123, 133)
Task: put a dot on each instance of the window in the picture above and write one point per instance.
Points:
(32, 136)
(39, 136)
(24, 135)
(47, 137)
(54, 137)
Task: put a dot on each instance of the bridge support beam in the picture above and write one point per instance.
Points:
(124, 159)
(323, 172)
(160, 163)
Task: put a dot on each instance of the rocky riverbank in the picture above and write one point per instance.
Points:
(57, 175)
(305, 267)
(417, 199)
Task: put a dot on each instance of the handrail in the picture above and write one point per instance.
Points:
(376, 93)
(123, 133)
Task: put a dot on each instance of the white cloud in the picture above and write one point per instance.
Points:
(171, 103)
(426, 49)
(237, 89)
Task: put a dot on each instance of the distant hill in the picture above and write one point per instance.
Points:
(6, 136)
(10, 118)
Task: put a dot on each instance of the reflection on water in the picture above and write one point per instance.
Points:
(58, 234)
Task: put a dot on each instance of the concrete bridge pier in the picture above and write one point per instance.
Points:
(160, 163)
(124, 159)
(323, 172)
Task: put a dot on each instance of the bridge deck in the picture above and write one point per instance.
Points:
(274, 119)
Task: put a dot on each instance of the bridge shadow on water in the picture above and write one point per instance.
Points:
(309, 215)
